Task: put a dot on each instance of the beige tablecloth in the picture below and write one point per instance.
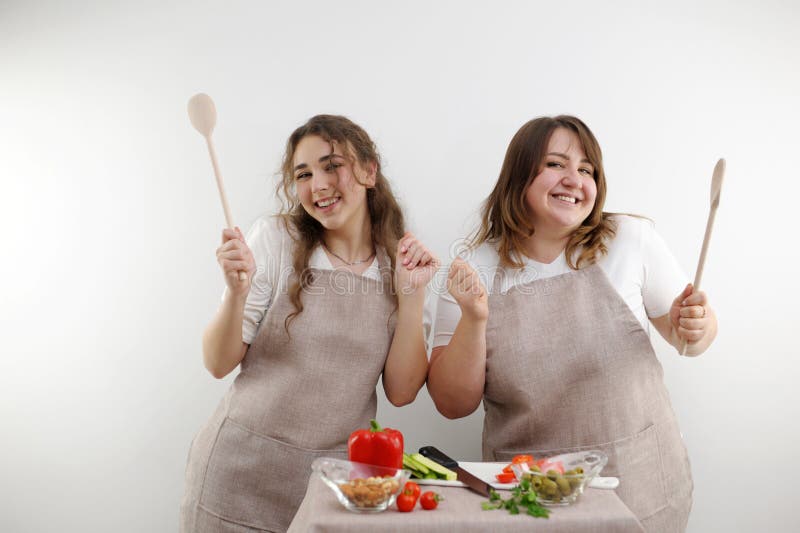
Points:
(597, 511)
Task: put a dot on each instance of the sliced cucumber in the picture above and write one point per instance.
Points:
(410, 464)
(441, 472)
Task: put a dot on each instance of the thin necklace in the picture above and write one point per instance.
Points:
(346, 262)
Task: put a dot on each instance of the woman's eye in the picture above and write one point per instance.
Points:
(587, 171)
(554, 164)
(332, 166)
(303, 176)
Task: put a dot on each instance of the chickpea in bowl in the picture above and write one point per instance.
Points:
(360, 487)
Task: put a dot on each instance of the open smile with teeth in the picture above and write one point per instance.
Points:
(327, 202)
(563, 198)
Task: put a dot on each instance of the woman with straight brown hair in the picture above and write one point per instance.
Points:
(333, 300)
(547, 321)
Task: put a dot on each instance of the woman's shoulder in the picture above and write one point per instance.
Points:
(482, 255)
(628, 222)
(272, 225)
(635, 238)
(630, 228)
(269, 233)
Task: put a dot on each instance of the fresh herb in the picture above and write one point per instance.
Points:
(523, 498)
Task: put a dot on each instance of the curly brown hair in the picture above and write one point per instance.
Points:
(386, 218)
(504, 216)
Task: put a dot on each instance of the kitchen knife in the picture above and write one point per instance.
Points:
(471, 481)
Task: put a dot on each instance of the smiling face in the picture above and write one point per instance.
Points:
(563, 192)
(327, 186)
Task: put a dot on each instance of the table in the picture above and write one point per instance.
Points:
(598, 510)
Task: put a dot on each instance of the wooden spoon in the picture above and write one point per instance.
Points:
(716, 187)
(203, 115)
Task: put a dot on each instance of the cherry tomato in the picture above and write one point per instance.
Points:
(517, 460)
(429, 500)
(506, 477)
(406, 502)
(413, 488)
(545, 465)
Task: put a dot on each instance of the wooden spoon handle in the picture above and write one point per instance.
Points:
(222, 196)
(698, 276)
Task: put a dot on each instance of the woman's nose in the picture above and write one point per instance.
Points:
(320, 181)
(572, 179)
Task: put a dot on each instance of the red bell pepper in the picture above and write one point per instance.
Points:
(376, 446)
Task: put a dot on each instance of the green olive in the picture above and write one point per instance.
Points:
(563, 486)
(549, 487)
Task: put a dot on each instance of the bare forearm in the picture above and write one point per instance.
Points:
(407, 363)
(457, 374)
(223, 348)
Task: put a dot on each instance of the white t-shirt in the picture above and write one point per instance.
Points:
(638, 264)
(272, 245)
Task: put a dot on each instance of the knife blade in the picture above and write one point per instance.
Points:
(470, 480)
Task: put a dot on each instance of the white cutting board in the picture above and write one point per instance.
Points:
(488, 471)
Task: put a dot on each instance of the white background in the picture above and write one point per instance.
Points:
(110, 215)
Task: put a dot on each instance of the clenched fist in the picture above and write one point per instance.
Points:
(234, 256)
(465, 286)
(415, 265)
(690, 315)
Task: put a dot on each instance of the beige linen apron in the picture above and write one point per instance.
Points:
(569, 368)
(296, 398)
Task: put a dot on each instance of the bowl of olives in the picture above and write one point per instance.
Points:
(560, 479)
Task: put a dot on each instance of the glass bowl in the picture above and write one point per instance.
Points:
(562, 486)
(360, 487)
